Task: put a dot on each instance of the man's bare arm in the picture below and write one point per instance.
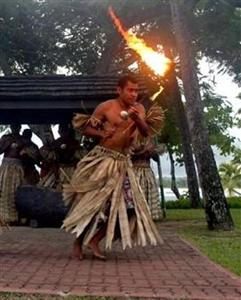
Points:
(95, 128)
(92, 132)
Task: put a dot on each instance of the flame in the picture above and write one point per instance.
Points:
(154, 96)
(158, 62)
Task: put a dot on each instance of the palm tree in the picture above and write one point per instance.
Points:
(231, 177)
(216, 208)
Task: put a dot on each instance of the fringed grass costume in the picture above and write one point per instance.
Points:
(147, 180)
(98, 184)
(142, 168)
(104, 188)
(11, 177)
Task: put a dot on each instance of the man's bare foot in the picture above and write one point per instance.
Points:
(96, 251)
(77, 250)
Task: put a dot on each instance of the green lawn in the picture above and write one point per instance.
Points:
(223, 247)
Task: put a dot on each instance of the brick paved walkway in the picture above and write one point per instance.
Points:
(38, 261)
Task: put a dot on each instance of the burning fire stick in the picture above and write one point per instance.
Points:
(158, 62)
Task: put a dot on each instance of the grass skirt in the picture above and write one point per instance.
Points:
(97, 183)
(11, 176)
(147, 180)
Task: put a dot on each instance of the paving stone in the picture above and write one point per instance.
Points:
(39, 261)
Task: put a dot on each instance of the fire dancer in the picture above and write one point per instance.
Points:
(106, 198)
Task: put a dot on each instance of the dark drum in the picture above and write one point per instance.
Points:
(43, 207)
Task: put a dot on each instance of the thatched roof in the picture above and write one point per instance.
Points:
(53, 99)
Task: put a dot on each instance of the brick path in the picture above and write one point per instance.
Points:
(38, 261)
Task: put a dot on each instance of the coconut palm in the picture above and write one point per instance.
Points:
(231, 177)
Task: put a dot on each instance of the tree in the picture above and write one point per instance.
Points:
(38, 37)
(231, 177)
(217, 212)
(216, 32)
(192, 180)
(27, 37)
(219, 118)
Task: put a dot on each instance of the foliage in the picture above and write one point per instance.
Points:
(234, 202)
(237, 156)
(28, 38)
(184, 203)
(216, 30)
(41, 37)
(219, 119)
(231, 177)
(45, 35)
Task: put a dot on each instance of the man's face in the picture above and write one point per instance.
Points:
(128, 93)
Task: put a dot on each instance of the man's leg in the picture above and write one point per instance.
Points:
(94, 242)
(78, 244)
(77, 248)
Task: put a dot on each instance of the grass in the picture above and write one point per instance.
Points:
(223, 247)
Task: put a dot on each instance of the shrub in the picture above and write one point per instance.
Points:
(234, 202)
(184, 203)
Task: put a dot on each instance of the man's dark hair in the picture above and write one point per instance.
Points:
(122, 82)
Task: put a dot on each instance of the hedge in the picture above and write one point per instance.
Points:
(184, 203)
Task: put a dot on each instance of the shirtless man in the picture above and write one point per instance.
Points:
(111, 200)
(119, 118)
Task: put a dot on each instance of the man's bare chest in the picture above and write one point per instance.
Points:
(115, 119)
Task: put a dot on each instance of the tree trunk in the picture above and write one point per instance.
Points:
(174, 187)
(160, 178)
(217, 212)
(192, 181)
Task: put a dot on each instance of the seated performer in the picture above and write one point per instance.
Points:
(11, 173)
(106, 198)
(60, 158)
(141, 159)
